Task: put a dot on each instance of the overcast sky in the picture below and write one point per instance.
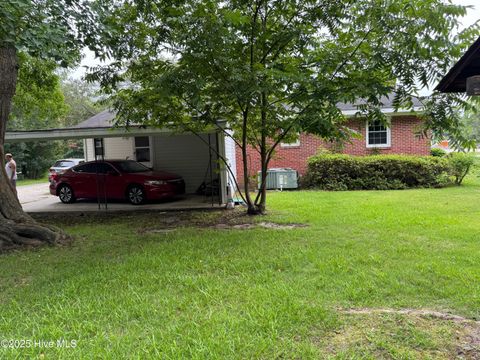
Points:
(472, 16)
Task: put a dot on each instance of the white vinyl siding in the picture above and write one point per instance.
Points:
(115, 148)
(89, 150)
(118, 148)
(187, 156)
(184, 155)
(230, 156)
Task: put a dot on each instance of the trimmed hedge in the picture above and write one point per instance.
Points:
(377, 172)
(460, 165)
(438, 152)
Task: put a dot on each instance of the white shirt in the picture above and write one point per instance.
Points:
(9, 170)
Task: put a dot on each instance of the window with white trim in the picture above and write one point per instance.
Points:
(296, 143)
(142, 148)
(378, 135)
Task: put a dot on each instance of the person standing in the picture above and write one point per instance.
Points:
(11, 170)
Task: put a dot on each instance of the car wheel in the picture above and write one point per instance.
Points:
(65, 193)
(136, 195)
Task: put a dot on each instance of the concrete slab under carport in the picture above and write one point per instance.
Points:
(37, 199)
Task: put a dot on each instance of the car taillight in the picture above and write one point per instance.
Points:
(53, 176)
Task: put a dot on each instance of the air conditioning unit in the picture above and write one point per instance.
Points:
(280, 178)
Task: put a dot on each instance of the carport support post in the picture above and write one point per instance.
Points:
(223, 167)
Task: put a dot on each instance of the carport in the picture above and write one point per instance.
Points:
(196, 157)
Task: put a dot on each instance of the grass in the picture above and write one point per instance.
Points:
(122, 291)
(42, 180)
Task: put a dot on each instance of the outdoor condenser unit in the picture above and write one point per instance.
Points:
(280, 178)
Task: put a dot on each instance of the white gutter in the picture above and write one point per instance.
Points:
(81, 133)
(390, 111)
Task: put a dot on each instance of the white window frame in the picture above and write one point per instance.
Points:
(149, 163)
(294, 144)
(380, 146)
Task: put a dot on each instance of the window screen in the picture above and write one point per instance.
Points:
(377, 134)
(142, 148)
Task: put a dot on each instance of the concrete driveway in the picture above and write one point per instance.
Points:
(37, 198)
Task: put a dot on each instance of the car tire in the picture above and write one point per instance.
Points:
(136, 195)
(66, 195)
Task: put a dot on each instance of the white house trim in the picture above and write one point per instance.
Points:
(81, 133)
(391, 111)
(378, 146)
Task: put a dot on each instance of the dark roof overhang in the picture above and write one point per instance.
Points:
(467, 66)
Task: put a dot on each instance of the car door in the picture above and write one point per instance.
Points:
(110, 182)
(83, 181)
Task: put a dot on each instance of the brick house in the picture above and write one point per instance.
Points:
(403, 136)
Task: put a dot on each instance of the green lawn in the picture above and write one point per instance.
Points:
(124, 292)
(42, 180)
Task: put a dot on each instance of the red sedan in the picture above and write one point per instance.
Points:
(115, 179)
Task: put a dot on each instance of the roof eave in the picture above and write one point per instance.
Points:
(444, 84)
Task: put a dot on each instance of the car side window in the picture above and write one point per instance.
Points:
(104, 168)
(86, 168)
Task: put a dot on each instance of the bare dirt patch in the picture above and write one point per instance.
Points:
(417, 333)
(265, 225)
(164, 222)
(157, 221)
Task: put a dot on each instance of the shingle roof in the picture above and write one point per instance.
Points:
(105, 118)
(386, 101)
(100, 120)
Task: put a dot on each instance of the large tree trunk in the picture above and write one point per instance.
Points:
(16, 227)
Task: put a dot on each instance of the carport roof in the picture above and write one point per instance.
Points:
(81, 133)
(98, 126)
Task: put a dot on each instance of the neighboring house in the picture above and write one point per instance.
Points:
(403, 136)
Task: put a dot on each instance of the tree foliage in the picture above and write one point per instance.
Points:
(46, 100)
(83, 101)
(81, 98)
(53, 30)
(39, 102)
(47, 29)
(271, 68)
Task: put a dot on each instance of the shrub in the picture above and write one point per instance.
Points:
(377, 172)
(460, 165)
(438, 152)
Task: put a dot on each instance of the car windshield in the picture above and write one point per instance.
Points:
(64, 164)
(131, 166)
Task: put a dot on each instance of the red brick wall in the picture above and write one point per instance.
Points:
(404, 140)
